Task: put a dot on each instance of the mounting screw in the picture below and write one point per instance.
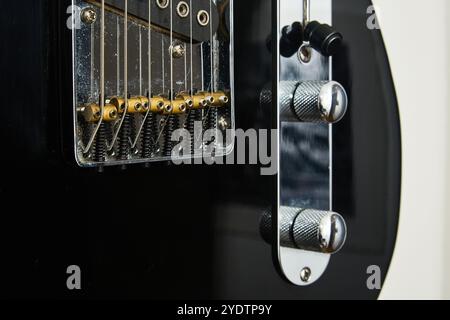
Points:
(305, 274)
(88, 15)
(223, 124)
(177, 50)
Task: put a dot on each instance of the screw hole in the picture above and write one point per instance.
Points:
(203, 18)
(163, 4)
(183, 9)
(225, 99)
(210, 99)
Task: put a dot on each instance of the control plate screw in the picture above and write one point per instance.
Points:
(305, 274)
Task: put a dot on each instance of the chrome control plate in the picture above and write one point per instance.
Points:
(304, 179)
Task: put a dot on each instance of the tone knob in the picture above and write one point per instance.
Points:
(307, 229)
(312, 101)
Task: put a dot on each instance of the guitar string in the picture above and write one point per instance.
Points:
(185, 71)
(125, 57)
(125, 75)
(191, 63)
(306, 12)
(140, 61)
(163, 71)
(211, 54)
(171, 53)
(202, 71)
(191, 49)
(202, 64)
(118, 56)
(166, 118)
(171, 60)
(149, 75)
(92, 59)
(191, 43)
(211, 41)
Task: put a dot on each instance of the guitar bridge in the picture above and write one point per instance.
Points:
(144, 69)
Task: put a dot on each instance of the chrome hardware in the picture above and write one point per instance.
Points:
(88, 15)
(309, 102)
(305, 274)
(312, 101)
(306, 229)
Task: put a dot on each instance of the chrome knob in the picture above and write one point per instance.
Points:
(320, 231)
(307, 229)
(312, 101)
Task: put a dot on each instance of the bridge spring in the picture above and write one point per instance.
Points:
(171, 125)
(193, 117)
(124, 138)
(149, 136)
(99, 147)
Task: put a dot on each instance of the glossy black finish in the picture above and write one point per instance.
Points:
(367, 150)
(132, 239)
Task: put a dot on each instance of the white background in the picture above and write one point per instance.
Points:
(417, 37)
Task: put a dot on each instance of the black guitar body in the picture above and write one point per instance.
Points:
(190, 231)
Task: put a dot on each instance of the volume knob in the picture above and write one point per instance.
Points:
(307, 229)
(312, 101)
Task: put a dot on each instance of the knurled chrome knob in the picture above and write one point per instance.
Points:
(312, 101)
(321, 231)
(307, 229)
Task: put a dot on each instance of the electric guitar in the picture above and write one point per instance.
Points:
(119, 119)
